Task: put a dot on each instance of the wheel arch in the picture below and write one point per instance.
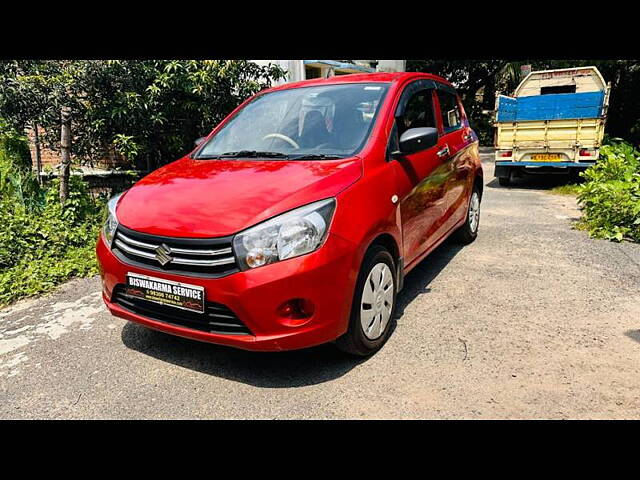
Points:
(478, 181)
(388, 241)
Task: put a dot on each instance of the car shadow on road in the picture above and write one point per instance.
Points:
(537, 182)
(278, 369)
(418, 281)
(296, 368)
(633, 335)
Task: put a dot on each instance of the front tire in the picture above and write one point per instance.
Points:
(374, 305)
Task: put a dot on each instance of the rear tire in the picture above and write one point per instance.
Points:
(468, 232)
(371, 314)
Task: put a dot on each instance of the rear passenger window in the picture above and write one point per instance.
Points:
(449, 110)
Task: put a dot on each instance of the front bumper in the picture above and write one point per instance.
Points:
(325, 277)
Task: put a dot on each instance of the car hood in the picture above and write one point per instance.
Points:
(213, 198)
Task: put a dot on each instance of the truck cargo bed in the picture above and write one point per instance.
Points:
(553, 134)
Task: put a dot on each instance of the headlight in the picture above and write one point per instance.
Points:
(288, 235)
(109, 228)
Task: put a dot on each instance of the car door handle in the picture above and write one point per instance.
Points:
(444, 152)
(467, 137)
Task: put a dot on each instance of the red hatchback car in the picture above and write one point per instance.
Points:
(294, 222)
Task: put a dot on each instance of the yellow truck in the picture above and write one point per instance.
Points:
(554, 123)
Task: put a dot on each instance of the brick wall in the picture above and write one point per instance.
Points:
(51, 158)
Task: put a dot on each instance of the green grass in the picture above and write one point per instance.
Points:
(570, 189)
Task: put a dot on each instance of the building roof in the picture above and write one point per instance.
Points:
(341, 65)
(361, 78)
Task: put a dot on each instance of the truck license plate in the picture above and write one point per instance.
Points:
(546, 157)
(166, 292)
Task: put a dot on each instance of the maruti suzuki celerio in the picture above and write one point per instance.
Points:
(295, 220)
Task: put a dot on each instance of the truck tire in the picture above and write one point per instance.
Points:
(370, 321)
(508, 180)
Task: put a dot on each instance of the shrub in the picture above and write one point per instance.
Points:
(610, 196)
(17, 182)
(45, 245)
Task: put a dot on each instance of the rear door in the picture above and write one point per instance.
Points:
(419, 176)
(455, 137)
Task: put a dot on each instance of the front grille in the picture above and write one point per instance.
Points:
(217, 318)
(202, 257)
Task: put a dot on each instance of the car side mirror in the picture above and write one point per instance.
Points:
(199, 141)
(415, 140)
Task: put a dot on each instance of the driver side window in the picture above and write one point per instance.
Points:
(418, 112)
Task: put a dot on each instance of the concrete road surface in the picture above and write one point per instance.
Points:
(533, 320)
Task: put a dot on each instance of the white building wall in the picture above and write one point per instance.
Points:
(391, 66)
(295, 68)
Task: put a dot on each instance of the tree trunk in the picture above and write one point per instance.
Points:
(38, 154)
(65, 148)
(489, 94)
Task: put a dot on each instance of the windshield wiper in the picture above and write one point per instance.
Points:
(253, 154)
(259, 154)
(317, 156)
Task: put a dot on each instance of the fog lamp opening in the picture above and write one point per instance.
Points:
(296, 309)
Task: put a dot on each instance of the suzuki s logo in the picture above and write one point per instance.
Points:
(162, 254)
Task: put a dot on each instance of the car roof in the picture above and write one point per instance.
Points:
(361, 78)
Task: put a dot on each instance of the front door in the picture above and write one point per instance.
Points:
(420, 178)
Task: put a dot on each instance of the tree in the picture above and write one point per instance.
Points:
(25, 97)
(469, 77)
(152, 111)
(503, 76)
(148, 111)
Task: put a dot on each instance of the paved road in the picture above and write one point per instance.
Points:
(533, 320)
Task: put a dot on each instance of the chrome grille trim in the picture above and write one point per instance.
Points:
(176, 260)
(208, 257)
(137, 243)
(134, 251)
(203, 263)
(186, 251)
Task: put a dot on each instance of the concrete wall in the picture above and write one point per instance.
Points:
(295, 68)
(391, 66)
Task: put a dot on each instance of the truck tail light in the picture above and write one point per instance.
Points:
(506, 154)
(584, 152)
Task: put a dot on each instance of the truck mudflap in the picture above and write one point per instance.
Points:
(504, 168)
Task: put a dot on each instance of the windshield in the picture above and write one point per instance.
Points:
(326, 121)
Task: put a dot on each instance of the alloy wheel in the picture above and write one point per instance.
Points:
(474, 212)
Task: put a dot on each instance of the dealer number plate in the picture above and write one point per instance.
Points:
(166, 292)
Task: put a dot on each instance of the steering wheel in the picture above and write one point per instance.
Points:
(282, 137)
